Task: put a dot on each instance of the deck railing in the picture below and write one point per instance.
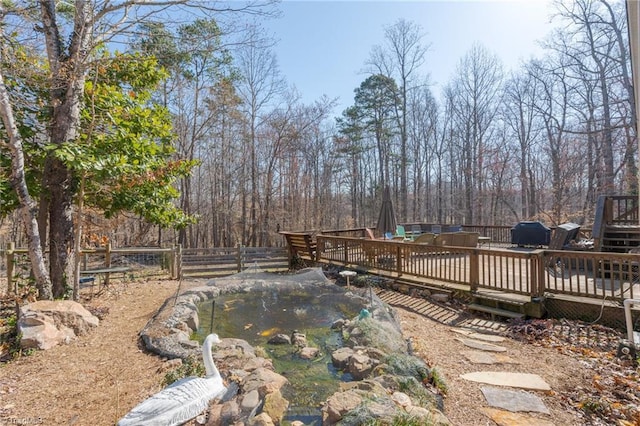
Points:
(600, 275)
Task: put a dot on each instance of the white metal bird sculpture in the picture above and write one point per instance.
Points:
(182, 400)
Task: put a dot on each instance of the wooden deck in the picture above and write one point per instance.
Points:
(519, 271)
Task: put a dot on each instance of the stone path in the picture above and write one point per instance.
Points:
(509, 397)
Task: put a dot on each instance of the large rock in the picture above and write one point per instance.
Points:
(340, 357)
(45, 323)
(275, 406)
(360, 365)
(309, 352)
(338, 405)
(259, 378)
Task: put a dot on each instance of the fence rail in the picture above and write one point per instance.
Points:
(212, 262)
(101, 258)
(614, 276)
(173, 261)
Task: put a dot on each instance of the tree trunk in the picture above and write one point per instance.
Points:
(28, 206)
(61, 234)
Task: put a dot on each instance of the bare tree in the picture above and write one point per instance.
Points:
(519, 113)
(474, 97)
(28, 205)
(596, 49)
(260, 85)
(553, 106)
(401, 58)
(422, 132)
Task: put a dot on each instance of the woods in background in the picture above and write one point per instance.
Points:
(225, 152)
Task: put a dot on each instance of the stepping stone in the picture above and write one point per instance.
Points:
(478, 357)
(514, 380)
(478, 336)
(507, 418)
(483, 346)
(511, 400)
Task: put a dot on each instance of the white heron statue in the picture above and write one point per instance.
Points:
(182, 400)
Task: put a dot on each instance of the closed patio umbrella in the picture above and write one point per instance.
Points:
(387, 217)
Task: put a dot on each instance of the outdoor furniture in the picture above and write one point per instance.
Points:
(563, 235)
(484, 240)
(401, 234)
(415, 232)
(104, 272)
(471, 239)
(348, 275)
(427, 238)
(458, 239)
(530, 234)
(370, 234)
(301, 244)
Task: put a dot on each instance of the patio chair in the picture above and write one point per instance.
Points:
(401, 234)
(370, 234)
(416, 230)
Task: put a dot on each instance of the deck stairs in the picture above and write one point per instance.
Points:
(620, 238)
(499, 304)
(616, 229)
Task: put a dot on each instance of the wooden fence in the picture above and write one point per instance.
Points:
(173, 261)
(212, 262)
(514, 270)
(104, 260)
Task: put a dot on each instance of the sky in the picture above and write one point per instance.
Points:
(323, 45)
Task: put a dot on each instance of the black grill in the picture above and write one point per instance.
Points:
(530, 234)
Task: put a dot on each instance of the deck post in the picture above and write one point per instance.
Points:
(319, 249)
(537, 284)
(474, 270)
(346, 252)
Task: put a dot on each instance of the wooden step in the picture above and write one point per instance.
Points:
(494, 311)
(501, 297)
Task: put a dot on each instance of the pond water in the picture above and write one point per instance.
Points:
(259, 315)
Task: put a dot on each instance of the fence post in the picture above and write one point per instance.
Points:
(107, 262)
(239, 257)
(172, 262)
(10, 256)
(179, 262)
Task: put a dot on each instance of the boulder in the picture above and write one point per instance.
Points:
(309, 352)
(299, 339)
(340, 357)
(280, 339)
(250, 400)
(275, 406)
(338, 405)
(402, 399)
(261, 377)
(261, 419)
(46, 323)
(360, 365)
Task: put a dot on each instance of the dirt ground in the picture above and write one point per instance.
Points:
(97, 378)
